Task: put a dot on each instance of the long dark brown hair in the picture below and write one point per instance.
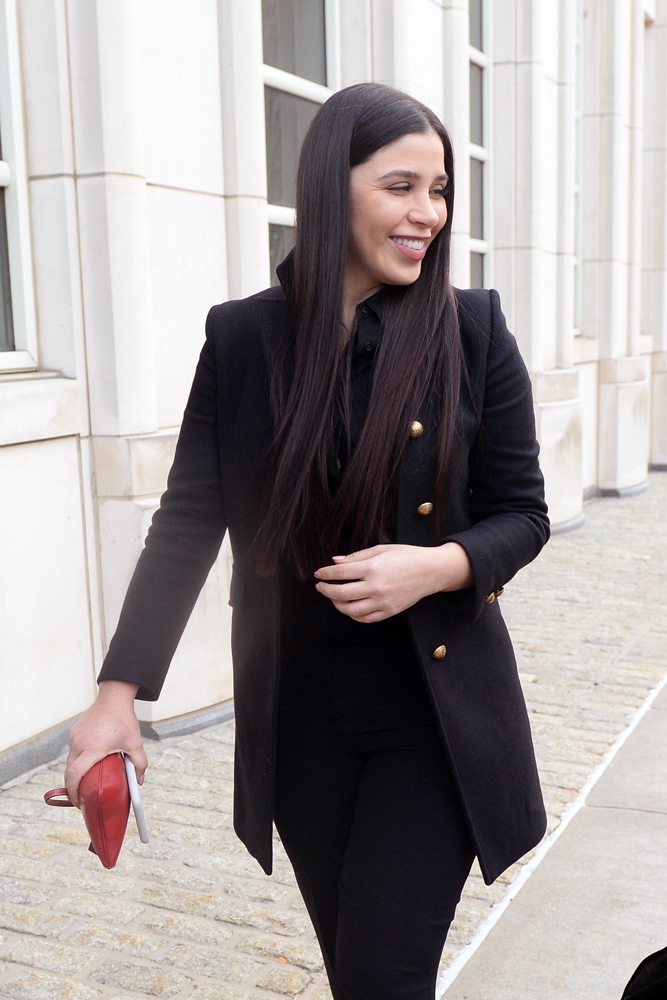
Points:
(419, 352)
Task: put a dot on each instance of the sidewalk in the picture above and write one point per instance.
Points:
(192, 916)
(597, 905)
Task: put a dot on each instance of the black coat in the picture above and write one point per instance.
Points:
(497, 513)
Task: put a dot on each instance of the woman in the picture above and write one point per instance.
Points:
(367, 424)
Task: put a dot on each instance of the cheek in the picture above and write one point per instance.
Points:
(368, 230)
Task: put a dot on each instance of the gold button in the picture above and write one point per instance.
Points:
(490, 599)
(440, 653)
(424, 509)
(499, 592)
(416, 429)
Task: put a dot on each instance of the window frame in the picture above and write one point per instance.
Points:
(24, 357)
(483, 59)
(279, 79)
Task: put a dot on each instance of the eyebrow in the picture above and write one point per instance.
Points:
(411, 174)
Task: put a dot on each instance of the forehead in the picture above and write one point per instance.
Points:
(421, 153)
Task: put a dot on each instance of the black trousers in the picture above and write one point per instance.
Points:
(369, 815)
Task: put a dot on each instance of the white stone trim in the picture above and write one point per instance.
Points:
(38, 407)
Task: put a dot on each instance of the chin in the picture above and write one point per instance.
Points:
(403, 276)
(397, 273)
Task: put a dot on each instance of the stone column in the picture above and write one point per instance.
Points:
(456, 116)
(534, 218)
(244, 146)
(654, 264)
(612, 192)
(113, 226)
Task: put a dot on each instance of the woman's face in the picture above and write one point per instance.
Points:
(397, 200)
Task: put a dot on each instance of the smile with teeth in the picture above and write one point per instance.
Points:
(413, 244)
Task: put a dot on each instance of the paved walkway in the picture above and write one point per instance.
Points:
(597, 904)
(192, 916)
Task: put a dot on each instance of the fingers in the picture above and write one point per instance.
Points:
(344, 571)
(344, 591)
(365, 612)
(140, 761)
(361, 555)
(108, 726)
(77, 767)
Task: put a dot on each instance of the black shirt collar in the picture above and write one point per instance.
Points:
(369, 312)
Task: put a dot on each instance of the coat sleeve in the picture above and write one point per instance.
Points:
(507, 506)
(181, 546)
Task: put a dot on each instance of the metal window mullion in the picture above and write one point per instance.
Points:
(279, 79)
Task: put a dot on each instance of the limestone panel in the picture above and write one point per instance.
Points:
(559, 431)
(181, 87)
(200, 674)
(624, 434)
(188, 276)
(46, 672)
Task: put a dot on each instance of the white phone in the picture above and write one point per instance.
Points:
(135, 799)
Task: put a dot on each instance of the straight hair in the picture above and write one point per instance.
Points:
(419, 353)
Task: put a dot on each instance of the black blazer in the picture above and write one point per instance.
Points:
(497, 513)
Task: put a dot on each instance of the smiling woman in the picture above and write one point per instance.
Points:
(398, 207)
(365, 432)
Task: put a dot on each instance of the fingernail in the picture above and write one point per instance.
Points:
(338, 558)
(318, 574)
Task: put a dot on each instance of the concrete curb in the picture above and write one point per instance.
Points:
(48, 746)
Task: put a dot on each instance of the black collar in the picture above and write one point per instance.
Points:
(285, 273)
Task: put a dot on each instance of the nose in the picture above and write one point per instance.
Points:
(423, 212)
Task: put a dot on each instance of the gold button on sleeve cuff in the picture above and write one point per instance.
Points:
(424, 509)
(490, 599)
(416, 429)
(439, 653)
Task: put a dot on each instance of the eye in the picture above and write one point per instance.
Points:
(439, 192)
(400, 188)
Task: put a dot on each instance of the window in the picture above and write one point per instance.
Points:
(480, 243)
(18, 346)
(300, 60)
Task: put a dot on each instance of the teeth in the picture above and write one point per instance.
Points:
(413, 244)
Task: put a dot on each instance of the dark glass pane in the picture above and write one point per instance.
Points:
(476, 35)
(477, 199)
(287, 121)
(6, 324)
(294, 38)
(281, 241)
(476, 105)
(477, 270)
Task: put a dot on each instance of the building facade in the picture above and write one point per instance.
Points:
(148, 157)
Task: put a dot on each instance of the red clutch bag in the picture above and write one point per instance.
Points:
(104, 798)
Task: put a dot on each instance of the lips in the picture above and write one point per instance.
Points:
(412, 248)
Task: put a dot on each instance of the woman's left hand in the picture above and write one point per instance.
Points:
(386, 579)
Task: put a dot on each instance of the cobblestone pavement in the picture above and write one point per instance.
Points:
(192, 915)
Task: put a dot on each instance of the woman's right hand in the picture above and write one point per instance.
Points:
(108, 726)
